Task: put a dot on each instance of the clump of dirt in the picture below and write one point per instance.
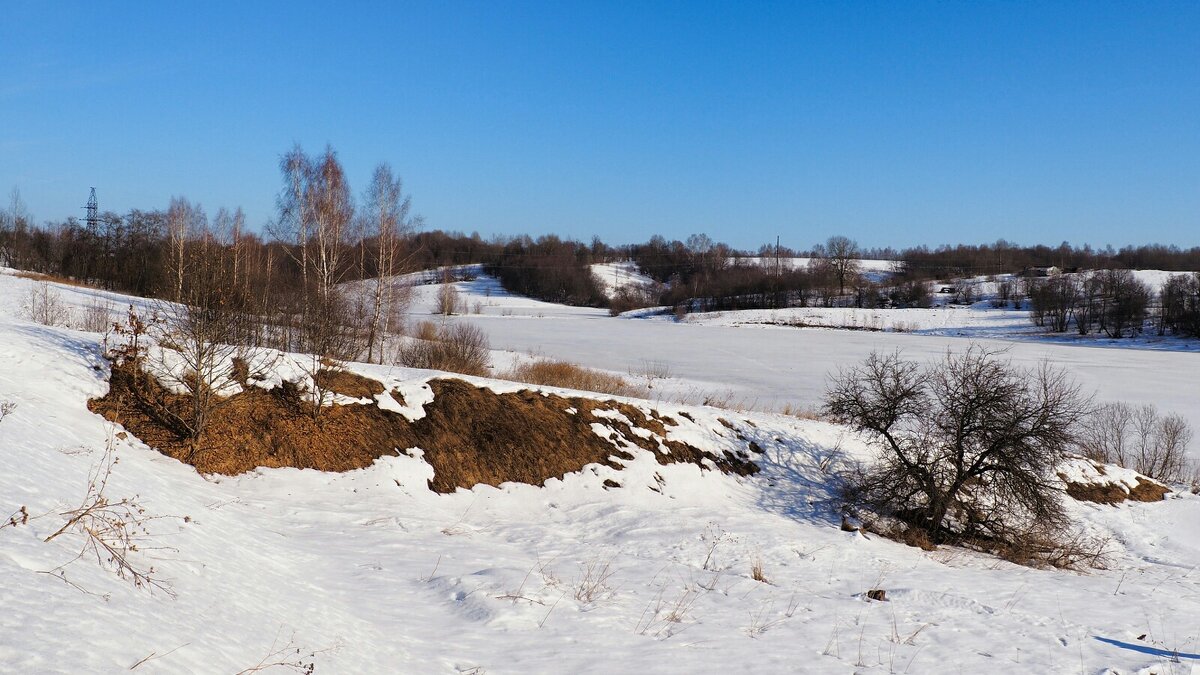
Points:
(470, 435)
(1144, 490)
(347, 383)
(1148, 491)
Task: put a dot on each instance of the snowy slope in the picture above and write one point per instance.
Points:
(617, 275)
(376, 574)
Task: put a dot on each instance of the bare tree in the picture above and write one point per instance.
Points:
(840, 256)
(184, 220)
(332, 211)
(295, 212)
(387, 212)
(1139, 438)
(966, 446)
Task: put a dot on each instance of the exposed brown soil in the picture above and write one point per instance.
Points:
(1112, 493)
(347, 383)
(1148, 491)
(469, 435)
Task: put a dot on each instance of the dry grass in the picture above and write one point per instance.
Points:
(570, 376)
(757, 572)
(469, 435)
(1112, 493)
(38, 276)
(347, 383)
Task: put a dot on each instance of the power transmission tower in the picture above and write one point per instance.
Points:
(93, 212)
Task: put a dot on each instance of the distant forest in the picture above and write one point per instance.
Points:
(322, 236)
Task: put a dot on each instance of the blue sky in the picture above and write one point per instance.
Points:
(893, 123)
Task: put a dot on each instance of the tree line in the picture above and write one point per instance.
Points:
(322, 237)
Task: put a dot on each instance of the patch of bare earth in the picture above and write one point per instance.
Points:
(470, 435)
(1145, 490)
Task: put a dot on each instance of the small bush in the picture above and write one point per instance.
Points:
(629, 298)
(461, 348)
(571, 376)
(44, 305)
(448, 300)
(96, 317)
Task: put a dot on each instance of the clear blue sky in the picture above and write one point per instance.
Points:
(894, 123)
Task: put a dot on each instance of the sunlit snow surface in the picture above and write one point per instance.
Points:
(379, 575)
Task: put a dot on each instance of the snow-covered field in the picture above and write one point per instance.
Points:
(741, 356)
(370, 572)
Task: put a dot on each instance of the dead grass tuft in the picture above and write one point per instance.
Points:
(470, 435)
(570, 376)
(52, 278)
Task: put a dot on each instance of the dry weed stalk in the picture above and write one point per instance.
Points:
(594, 583)
(759, 623)
(663, 621)
(112, 531)
(18, 517)
(288, 656)
(155, 655)
(6, 408)
(519, 594)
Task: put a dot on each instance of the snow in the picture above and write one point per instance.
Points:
(376, 574)
(740, 356)
(617, 275)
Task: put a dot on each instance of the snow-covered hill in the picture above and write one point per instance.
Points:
(371, 572)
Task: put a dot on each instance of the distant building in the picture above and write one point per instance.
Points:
(1041, 271)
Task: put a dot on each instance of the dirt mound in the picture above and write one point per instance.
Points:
(1145, 490)
(347, 383)
(469, 434)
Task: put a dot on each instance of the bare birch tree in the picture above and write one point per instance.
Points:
(386, 216)
(183, 220)
(333, 211)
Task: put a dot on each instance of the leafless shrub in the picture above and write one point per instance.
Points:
(288, 656)
(1040, 547)
(96, 316)
(631, 297)
(651, 371)
(43, 304)
(6, 408)
(1004, 292)
(964, 292)
(966, 446)
(1139, 438)
(448, 300)
(571, 376)
(460, 348)
(115, 532)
